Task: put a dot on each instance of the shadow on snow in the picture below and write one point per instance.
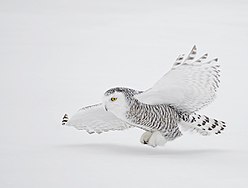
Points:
(106, 148)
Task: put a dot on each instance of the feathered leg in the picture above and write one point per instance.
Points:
(153, 138)
(156, 139)
(145, 137)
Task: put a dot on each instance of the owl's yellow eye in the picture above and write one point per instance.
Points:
(113, 99)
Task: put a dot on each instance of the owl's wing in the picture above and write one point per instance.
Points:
(94, 119)
(189, 85)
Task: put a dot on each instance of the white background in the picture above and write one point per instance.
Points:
(57, 56)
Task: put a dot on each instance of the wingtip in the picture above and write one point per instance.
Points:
(192, 54)
(194, 49)
(214, 60)
(65, 119)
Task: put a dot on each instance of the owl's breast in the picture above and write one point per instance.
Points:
(152, 117)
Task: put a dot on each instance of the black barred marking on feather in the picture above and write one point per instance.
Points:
(65, 119)
(188, 60)
(163, 118)
(192, 54)
(201, 58)
(179, 60)
(90, 132)
(193, 120)
(203, 124)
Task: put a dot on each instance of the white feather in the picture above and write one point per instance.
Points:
(94, 119)
(189, 85)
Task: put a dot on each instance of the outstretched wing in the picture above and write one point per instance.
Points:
(189, 85)
(94, 119)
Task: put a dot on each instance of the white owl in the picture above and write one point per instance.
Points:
(164, 110)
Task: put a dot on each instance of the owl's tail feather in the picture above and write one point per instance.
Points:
(201, 124)
(65, 119)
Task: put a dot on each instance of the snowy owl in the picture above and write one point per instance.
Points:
(164, 110)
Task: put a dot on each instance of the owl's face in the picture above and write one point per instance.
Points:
(116, 103)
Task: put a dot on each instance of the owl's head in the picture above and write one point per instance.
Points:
(116, 101)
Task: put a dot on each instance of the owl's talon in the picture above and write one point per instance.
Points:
(153, 139)
(144, 139)
(156, 139)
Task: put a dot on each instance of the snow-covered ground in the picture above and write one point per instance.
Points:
(57, 56)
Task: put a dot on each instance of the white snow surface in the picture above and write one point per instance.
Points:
(58, 56)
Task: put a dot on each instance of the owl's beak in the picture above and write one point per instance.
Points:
(105, 107)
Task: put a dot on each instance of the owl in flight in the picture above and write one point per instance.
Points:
(164, 110)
